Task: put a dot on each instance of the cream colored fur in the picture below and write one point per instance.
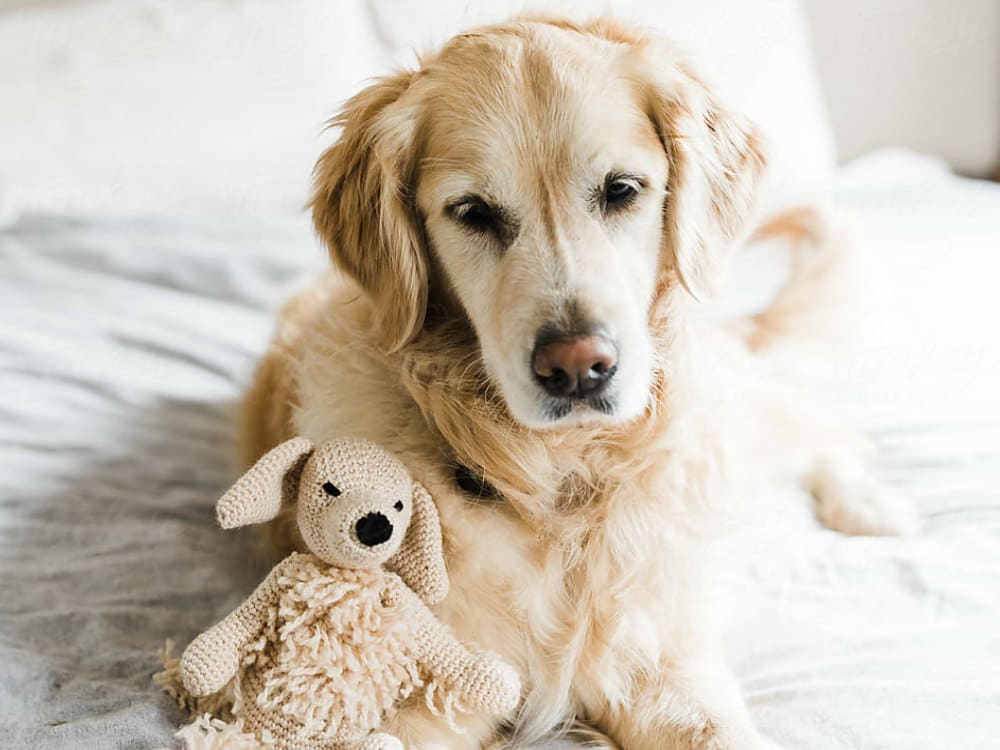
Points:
(593, 573)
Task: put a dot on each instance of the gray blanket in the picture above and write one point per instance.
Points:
(122, 348)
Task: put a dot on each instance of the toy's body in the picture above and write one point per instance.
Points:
(329, 643)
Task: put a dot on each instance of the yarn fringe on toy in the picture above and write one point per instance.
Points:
(307, 671)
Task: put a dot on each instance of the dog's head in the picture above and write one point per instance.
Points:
(550, 182)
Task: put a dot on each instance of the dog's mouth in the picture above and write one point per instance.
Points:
(610, 404)
(556, 409)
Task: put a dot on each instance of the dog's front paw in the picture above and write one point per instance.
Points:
(864, 505)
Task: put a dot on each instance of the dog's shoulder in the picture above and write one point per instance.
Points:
(347, 384)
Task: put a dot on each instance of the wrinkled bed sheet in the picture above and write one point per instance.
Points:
(123, 346)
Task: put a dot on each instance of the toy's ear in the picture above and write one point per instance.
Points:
(420, 561)
(270, 483)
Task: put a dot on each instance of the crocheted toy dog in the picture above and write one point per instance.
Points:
(331, 642)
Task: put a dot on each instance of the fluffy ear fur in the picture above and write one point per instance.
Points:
(362, 206)
(420, 561)
(715, 164)
(715, 156)
(272, 482)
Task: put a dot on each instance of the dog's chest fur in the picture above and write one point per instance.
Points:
(587, 571)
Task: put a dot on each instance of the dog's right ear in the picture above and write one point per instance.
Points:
(716, 160)
(272, 482)
(362, 206)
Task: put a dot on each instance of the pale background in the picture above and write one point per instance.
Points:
(923, 74)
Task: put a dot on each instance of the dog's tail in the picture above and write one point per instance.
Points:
(814, 302)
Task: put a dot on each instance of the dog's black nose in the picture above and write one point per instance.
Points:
(373, 529)
(578, 366)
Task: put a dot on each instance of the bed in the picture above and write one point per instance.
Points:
(124, 343)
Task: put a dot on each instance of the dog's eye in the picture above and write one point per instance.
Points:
(331, 489)
(398, 506)
(478, 216)
(619, 191)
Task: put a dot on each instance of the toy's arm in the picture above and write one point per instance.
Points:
(213, 658)
(475, 681)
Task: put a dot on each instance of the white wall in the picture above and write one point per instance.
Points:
(918, 73)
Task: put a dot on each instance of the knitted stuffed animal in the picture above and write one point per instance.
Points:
(331, 642)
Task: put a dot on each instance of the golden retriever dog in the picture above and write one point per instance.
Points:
(521, 228)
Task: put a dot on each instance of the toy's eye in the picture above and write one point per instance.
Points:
(398, 506)
(331, 489)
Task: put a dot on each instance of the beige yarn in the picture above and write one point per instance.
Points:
(331, 642)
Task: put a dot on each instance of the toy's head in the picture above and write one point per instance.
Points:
(355, 503)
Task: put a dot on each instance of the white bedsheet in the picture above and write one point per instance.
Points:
(885, 643)
(124, 344)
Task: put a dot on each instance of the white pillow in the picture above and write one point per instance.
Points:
(184, 107)
(167, 107)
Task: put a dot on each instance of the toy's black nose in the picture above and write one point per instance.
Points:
(373, 529)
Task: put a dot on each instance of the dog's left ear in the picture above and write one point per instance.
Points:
(362, 206)
(420, 561)
(715, 163)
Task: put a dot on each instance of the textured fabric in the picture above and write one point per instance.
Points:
(122, 349)
(123, 346)
(337, 650)
(330, 644)
(425, 575)
(844, 643)
(332, 659)
(258, 495)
